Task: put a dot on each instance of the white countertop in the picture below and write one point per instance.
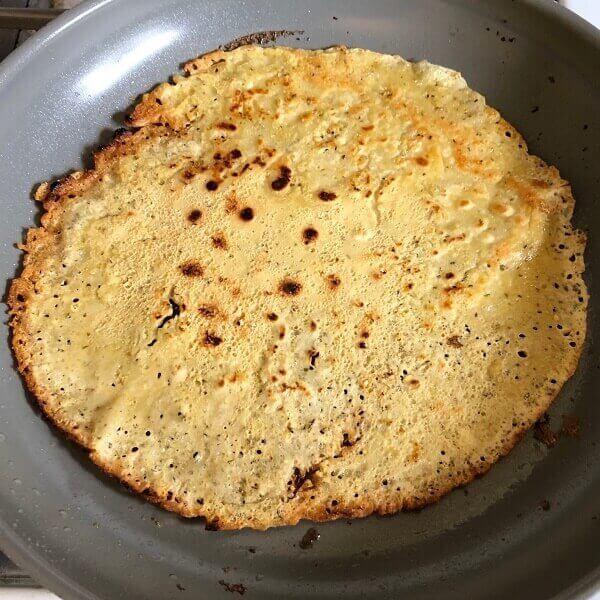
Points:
(26, 594)
(590, 10)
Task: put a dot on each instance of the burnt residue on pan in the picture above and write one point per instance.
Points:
(309, 538)
(260, 37)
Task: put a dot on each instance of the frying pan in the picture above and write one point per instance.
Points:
(84, 536)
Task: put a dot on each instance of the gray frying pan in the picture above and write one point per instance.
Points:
(84, 536)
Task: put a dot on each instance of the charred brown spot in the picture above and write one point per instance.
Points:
(219, 241)
(285, 174)
(449, 275)
(454, 341)
(310, 234)
(299, 478)
(313, 326)
(215, 526)
(409, 286)
(453, 289)
(347, 442)
(246, 214)
(289, 287)
(422, 161)
(364, 334)
(208, 310)
(226, 126)
(327, 196)
(235, 153)
(272, 317)
(362, 345)
(212, 185)
(191, 268)
(333, 281)
(194, 215)
(211, 339)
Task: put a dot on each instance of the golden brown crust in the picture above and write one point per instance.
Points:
(155, 121)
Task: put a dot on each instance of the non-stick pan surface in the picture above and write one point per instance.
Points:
(85, 536)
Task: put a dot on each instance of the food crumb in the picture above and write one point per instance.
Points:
(309, 538)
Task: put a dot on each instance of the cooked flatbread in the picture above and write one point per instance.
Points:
(304, 284)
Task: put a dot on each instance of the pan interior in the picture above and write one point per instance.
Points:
(86, 535)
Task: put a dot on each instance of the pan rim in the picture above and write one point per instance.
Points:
(12, 543)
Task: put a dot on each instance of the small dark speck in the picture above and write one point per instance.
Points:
(335, 18)
(535, 109)
(246, 214)
(180, 587)
(551, 79)
(327, 196)
(544, 505)
(194, 215)
(310, 234)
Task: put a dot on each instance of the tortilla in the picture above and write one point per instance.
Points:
(303, 284)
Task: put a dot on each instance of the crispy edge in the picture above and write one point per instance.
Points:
(38, 247)
(152, 109)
